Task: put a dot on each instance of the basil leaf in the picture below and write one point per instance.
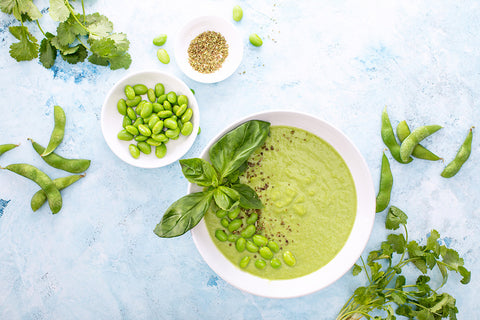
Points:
(248, 197)
(233, 177)
(199, 171)
(226, 198)
(184, 214)
(234, 148)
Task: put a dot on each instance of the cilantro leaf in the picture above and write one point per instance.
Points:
(432, 243)
(67, 32)
(27, 48)
(465, 274)
(397, 241)
(108, 49)
(21, 9)
(452, 259)
(395, 217)
(98, 25)
(59, 10)
(78, 55)
(48, 53)
(356, 269)
(120, 61)
(96, 59)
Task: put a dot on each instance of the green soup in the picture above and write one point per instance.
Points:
(310, 203)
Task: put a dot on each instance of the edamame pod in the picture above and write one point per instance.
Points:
(58, 131)
(385, 186)
(59, 162)
(30, 172)
(462, 156)
(419, 152)
(414, 139)
(388, 138)
(7, 147)
(40, 197)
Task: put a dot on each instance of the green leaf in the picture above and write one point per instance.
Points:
(21, 8)
(232, 150)
(96, 59)
(248, 197)
(27, 48)
(432, 242)
(67, 32)
(397, 241)
(356, 269)
(424, 314)
(395, 217)
(400, 282)
(79, 55)
(107, 49)
(48, 53)
(398, 297)
(465, 274)
(233, 177)
(98, 25)
(452, 259)
(226, 198)
(120, 61)
(184, 214)
(430, 260)
(404, 310)
(59, 10)
(199, 171)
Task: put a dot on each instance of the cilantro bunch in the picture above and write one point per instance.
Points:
(387, 286)
(77, 34)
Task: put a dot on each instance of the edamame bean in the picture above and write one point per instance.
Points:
(173, 133)
(124, 135)
(167, 105)
(153, 142)
(221, 235)
(58, 131)
(40, 197)
(234, 225)
(273, 246)
(224, 222)
(139, 108)
(144, 147)
(221, 213)
(199, 130)
(462, 156)
(170, 123)
(275, 263)
(180, 125)
(138, 122)
(252, 218)
(132, 130)
(251, 247)
(58, 162)
(159, 90)
(259, 240)
(140, 138)
(151, 95)
(175, 108)
(161, 151)
(249, 231)
(260, 264)
(385, 186)
(126, 121)
(133, 102)
(172, 97)
(419, 151)
(289, 259)
(7, 147)
(140, 89)
(187, 115)
(240, 244)
(187, 128)
(157, 107)
(131, 114)
(182, 99)
(134, 151)
(266, 253)
(146, 110)
(160, 40)
(129, 92)
(181, 110)
(244, 262)
(122, 107)
(255, 40)
(163, 56)
(153, 121)
(388, 138)
(237, 13)
(414, 139)
(164, 114)
(234, 213)
(232, 237)
(162, 98)
(158, 127)
(30, 172)
(160, 137)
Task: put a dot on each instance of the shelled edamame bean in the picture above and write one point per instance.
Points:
(153, 120)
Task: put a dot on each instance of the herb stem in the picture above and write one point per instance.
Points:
(365, 268)
(76, 18)
(84, 16)
(39, 27)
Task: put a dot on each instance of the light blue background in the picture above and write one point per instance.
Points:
(342, 61)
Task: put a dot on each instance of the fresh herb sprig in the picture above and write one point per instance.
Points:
(220, 180)
(77, 34)
(388, 287)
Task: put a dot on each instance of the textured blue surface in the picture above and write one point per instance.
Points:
(342, 61)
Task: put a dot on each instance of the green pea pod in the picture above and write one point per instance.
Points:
(40, 197)
(30, 172)
(7, 147)
(56, 161)
(388, 138)
(58, 131)
(419, 152)
(462, 156)
(414, 139)
(385, 186)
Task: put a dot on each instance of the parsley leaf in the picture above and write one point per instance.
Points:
(27, 48)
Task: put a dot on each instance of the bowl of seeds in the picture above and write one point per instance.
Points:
(208, 49)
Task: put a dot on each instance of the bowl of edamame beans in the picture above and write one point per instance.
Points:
(150, 119)
(329, 235)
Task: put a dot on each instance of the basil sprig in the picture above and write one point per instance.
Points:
(229, 157)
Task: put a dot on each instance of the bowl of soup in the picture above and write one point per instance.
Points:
(319, 210)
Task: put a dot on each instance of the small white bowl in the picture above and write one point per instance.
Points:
(111, 119)
(350, 252)
(198, 26)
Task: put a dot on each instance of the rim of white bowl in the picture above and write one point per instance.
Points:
(111, 119)
(347, 256)
(205, 23)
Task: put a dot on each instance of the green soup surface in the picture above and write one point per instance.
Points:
(310, 203)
